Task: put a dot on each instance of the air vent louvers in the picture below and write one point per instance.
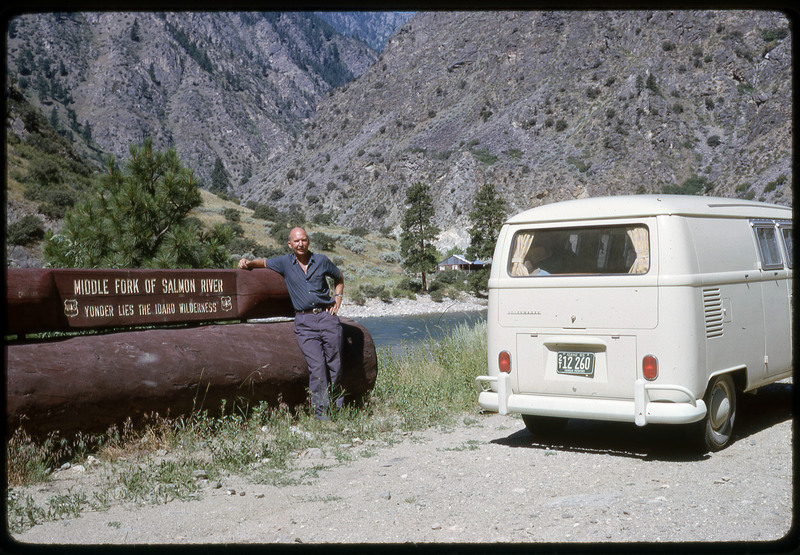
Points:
(712, 305)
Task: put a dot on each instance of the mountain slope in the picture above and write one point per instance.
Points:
(549, 106)
(229, 85)
(374, 28)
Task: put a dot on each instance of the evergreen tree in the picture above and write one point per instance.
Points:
(87, 131)
(220, 180)
(137, 218)
(54, 118)
(135, 30)
(418, 232)
(487, 217)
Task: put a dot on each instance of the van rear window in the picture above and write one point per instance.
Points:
(583, 250)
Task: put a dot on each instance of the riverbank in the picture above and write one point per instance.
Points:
(405, 307)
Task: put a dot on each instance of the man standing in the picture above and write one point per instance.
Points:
(315, 324)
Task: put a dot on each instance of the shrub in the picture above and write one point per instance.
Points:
(582, 166)
(262, 251)
(371, 291)
(25, 231)
(242, 245)
(232, 215)
(354, 244)
(235, 227)
(437, 296)
(483, 155)
(357, 298)
(448, 277)
(264, 212)
(323, 241)
(561, 125)
(58, 197)
(592, 92)
(323, 218)
(692, 186)
(412, 284)
(390, 257)
(713, 141)
(772, 185)
(478, 281)
(404, 293)
(651, 83)
(359, 231)
(769, 35)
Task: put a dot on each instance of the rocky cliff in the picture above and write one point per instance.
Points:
(549, 106)
(234, 86)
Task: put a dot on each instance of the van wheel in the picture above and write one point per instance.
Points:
(544, 425)
(716, 428)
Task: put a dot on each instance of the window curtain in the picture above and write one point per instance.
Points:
(640, 239)
(521, 248)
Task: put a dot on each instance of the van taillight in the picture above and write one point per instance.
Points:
(650, 367)
(504, 362)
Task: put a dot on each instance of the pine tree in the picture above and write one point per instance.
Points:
(487, 217)
(418, 233)
(137, 218)
(135, 31)
(54, 118)
(220, 180)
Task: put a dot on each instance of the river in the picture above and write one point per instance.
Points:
(394, 331)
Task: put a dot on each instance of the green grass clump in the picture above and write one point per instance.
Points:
(432, 382)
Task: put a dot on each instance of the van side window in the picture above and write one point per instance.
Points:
(786, 233)
(768, 246)
(581, 250)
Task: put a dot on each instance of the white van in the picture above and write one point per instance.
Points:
(645, 309)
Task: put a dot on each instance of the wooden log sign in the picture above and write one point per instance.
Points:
(88, 382)
(70, 299)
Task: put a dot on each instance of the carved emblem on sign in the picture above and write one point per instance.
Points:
(227, 304)
(70, 307)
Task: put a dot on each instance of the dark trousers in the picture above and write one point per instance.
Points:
(320, 339)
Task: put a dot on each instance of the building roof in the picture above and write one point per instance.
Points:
(455, 259)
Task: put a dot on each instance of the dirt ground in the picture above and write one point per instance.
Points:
(490, 480)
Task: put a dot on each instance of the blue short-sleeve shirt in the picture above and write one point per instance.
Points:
(307, 290)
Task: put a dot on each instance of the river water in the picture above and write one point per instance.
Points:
(395, 331)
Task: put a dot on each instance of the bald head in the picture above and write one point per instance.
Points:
(298, 242)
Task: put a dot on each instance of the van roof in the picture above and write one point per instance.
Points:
(632, 206)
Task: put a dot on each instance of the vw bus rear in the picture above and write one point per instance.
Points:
(598, 309)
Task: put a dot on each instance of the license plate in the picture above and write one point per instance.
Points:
(581, 364)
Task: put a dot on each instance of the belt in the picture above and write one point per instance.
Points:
(313, 310)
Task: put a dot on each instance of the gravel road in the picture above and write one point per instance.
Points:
(489, 480)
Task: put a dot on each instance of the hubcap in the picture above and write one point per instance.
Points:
(720, 409)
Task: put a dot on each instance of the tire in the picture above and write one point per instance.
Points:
(715, 430)
(544, 425)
